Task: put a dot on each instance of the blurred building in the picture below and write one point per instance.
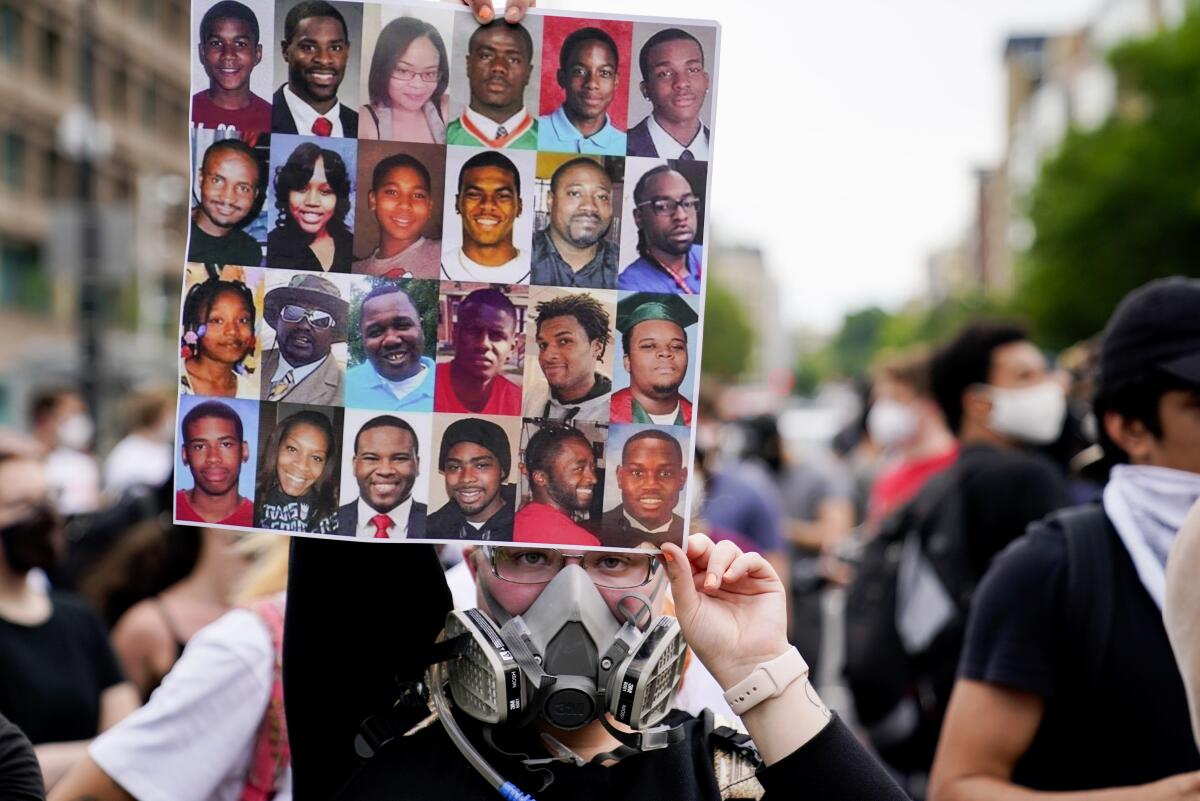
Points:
(140, 78)
(1055, 83)
(742, 269)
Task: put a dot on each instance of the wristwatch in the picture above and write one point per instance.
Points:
(767, 680)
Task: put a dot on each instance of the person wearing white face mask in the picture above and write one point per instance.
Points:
(61, 423)
(1067, 680)
(905, 422)
(999, 399)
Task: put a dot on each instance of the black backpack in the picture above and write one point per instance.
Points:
(905, 621)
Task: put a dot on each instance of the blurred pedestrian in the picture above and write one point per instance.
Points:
(904, 420)
(59, 680)
(214, 730)
(151, 635)
(907, 609)
(62, 425)
(143, 458)
(20, 776)
(1067, 680)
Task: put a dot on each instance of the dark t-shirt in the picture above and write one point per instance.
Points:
(744, 500)
(20, 775)
(52, 674)
(1135, 728)
(236, 247)
(1003, 491)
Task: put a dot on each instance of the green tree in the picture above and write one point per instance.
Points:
(729, 340)
(1119, 205)
(852, 348)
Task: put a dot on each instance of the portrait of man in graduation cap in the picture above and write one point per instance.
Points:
(655, 354)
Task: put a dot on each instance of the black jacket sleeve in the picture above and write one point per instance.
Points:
(360, 617)
(833, 766)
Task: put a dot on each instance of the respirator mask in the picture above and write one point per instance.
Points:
(567, 660)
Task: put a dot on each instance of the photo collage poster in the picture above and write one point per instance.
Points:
(444, 281)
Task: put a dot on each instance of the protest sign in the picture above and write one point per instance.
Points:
(444, 281)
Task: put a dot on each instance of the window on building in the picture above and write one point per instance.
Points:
(12, 27)
(51, 166)
(14, 160)
(23, 282)
(149, 106)
(51, 53)
(118, 90)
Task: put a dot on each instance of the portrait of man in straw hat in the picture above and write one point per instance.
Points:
(308, 315)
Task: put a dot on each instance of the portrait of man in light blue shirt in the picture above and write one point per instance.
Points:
(396, 375)
(588, 72)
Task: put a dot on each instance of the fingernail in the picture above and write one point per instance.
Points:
(667, 556)
(485, 14)
(511, 14)
(711, 582)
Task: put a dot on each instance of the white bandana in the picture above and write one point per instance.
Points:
(1147, 505)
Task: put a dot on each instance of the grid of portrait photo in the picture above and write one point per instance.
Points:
(444, 281)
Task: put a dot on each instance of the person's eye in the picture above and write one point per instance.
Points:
(531, 558)
(319, 459)
(646, 346)
(694, 70)
(451, 467)
(419, 195)
(515, 60)
(603, 197)
(664, 75)
(541, 346)
(337, 48)
(308, 47)
(290, 448)
(574, 193)
(606, 74)
(637, 472)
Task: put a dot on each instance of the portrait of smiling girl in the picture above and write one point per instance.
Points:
(218, 344)
(312, 201)
(407, 85)
(297, 484)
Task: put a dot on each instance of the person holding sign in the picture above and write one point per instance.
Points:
(316, 47)
(212, 444)
(652, 475)
(666, 211)
(654, 337)
(387, 461)
(475, 458)
(572, 335)
(229, 51)
(675, 82)
(561, 469)
(397, 375)
(499, 65)
(588, 70)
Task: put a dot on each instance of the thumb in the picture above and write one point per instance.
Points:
(683, 586)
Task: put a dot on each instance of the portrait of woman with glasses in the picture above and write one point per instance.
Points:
(312, 192)
(407, 85)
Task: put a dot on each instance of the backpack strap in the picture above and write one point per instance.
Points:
(271, 754)
(1089, 581)
(735, 759)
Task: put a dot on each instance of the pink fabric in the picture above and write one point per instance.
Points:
(272, 754)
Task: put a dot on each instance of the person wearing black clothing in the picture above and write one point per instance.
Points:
(332, 641)
(20, 776)
(1067, 681)
(235, 247)
(231, 184)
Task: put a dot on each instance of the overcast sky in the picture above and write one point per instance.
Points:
(847, 132)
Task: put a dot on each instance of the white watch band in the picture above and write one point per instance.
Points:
(767, 680)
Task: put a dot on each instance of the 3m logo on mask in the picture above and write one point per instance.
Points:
(567, 659)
